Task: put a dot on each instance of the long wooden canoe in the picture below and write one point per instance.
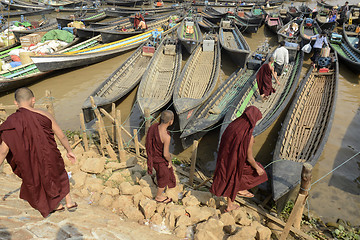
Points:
(63, 22)
(276, 102)
(346, 54)
(51, 24)
(273, 22)
(283, 33)
(309, 31)
(94, 54)
(216, 106)
(351, 37)
(206, 24)
(189, 40)
(323, 23)
(122, 80)
(234, 43)
(157, 84)
(197, 80)
(306, 128)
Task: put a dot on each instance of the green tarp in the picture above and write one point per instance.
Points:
(57, 34)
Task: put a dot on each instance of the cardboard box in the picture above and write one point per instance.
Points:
(30, 39)
(170, 50)
(148, 51)
(208, 45)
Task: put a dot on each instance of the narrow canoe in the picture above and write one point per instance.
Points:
(63, 22)
(243, 26)
(206, 24)
(122, 80)
(346, 54)
(351, 37)
(274, 23)
(233, 42)
(324, 5)
(157, 84)
(283, 33)
(192, 39)
(305, 129)
(197, 80)
(93, 31)
(323, 23)
(276, 102)
(52, 24)
(305, 10)
(94, 54)
(308, 31)
(216, 106)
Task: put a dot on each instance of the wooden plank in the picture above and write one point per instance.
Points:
(193, 162)
(121, 149)
(136, 141)
(113, 128)
(84, 135)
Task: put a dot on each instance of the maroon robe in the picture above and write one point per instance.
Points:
(233, 173)
(34, 157)
(138, 19)
(264, 80)
(155, 151)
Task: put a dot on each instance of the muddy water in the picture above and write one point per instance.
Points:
(336, 196)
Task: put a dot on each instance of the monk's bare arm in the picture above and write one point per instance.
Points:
(251, 159)
(166, 152)
(62, 137)
(4, 149)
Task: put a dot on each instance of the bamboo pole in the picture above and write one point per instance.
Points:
(147, 120)
(113, 129)
(136, 140)
(50, 104)
(84, 135)
(102, 138)
(121, 149)
(193, 162)
(98, 116)
(297, 211)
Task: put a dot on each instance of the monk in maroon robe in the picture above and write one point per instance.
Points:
(27, 142)
(138, 19)
(236, 169)
(159, 157)
(264, 78)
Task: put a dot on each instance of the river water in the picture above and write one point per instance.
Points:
(335, 196)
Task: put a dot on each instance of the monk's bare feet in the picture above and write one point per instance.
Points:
(246, 194)
(232, 207)
(163, 199)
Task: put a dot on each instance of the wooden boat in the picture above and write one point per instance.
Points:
(206, 24)
(121, 81)
(274, 23)
(28, 73)
(4, 51)
(51, 24)
(90, 31)
(294, 12)
(197, 79)
(345, 52)
(216, 106)
(157, 84)
(61, 3)
(276, 102)
(125, 3)
(243, 26)
(351, 37)
(305, 129)
(214, 12)
(29, 12)
(249, 18)
(233, 42)
(123, 11)
(94, 54)
(284, 15)
(283, 33)
(63, 22)
(117, 33)
(309, 31)
(191, 38)
(19, 5)
(323, 4)
(212, 18)
(323, 23)
(84, 9)
(305, 10)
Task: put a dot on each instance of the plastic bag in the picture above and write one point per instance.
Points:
(306, 48)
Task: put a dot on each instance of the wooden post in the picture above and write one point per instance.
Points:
(102, 138)
(84, 135)
(136, 141)
(147, 120)
(296, 213)
(121, 149)
(193, 162)
(49, 103)
(113, 128)
(306, 176)
(98, 116)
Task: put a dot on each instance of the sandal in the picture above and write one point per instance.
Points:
(58, 210)
(165, 200)
(246, 195)
(73, 208)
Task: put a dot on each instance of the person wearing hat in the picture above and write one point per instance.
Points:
(320, 40)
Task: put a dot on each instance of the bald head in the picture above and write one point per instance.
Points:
(271, 59)
(166, 116)
(23, 95)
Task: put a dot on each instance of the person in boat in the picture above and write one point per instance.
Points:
(281, 56)
(320, 40)
(290, 32)
(345, 11)
(139, 21)
(264, 78)
(28, 144)
(236, 169)
(159, 157)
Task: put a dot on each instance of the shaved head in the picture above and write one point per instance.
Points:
(23, 94)
(166, 116)
(271, 59)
